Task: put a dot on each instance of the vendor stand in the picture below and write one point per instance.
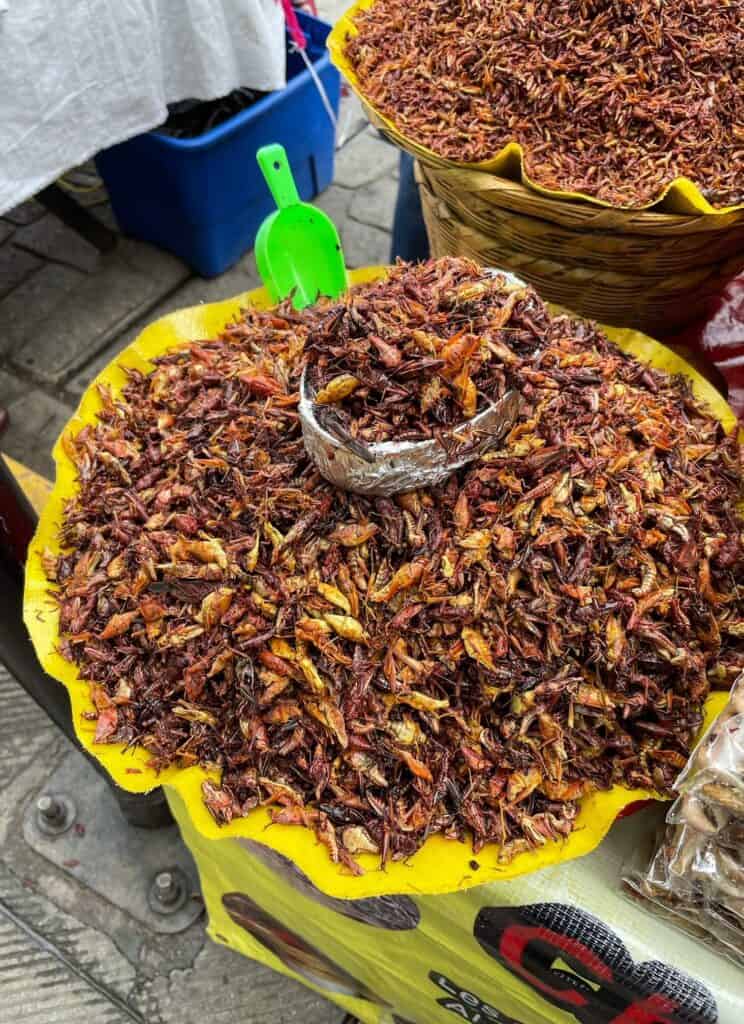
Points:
(560, 939)
(443, 929)
(440, 958)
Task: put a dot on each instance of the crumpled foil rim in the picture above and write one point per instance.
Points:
(399, 466)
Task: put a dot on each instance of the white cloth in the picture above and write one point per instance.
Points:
(77, 76)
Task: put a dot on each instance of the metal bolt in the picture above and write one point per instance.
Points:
(54, 813)
(51, 810)
(169, 891)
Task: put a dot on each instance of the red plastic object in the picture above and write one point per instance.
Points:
(718, 340)
(633, 808)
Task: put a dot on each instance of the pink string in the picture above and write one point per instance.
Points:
(293, 25)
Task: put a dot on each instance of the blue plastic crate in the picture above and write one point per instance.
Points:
(204, 198)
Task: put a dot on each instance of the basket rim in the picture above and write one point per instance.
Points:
(722, 269)
(556, 209)
(524, 229)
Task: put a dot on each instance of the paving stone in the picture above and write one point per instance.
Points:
(94, 200)
(146, 951)
(26, 213)
(364, 246)
(224, 987)
(363, 159)
(197, 290)
(193, 292)
(15, 265)
(351, 117)
(105, 214)
(36, 420)
(10, 389)
(375, 203)
(50, 238)
(180, 979)
(37, 984)
(130, 281)
(335, 202)
(25, 728)
(24, 311)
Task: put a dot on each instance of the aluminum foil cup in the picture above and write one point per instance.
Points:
(399, 466)
(404, 465)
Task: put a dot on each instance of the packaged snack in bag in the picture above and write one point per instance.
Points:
(696, 875)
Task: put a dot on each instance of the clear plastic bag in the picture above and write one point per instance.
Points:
(696, 875)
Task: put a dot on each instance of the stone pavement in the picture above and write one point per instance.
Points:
(68, 955)
(66, 310)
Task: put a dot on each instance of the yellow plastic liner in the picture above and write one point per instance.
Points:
(441, 865)
(36, 488)
(422, 959)
(680, 196)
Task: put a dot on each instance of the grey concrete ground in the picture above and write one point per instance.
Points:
(66, 310)
(66, 953)
(69, 954)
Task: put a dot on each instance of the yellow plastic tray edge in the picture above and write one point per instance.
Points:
(441, 865)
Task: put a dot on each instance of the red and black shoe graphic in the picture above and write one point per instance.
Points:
(578, 964)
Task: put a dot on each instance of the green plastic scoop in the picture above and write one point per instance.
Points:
(298, 251)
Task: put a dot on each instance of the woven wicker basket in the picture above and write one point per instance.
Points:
(654, 272)
(620, 240)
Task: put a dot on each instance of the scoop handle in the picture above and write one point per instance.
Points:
(275, 168)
